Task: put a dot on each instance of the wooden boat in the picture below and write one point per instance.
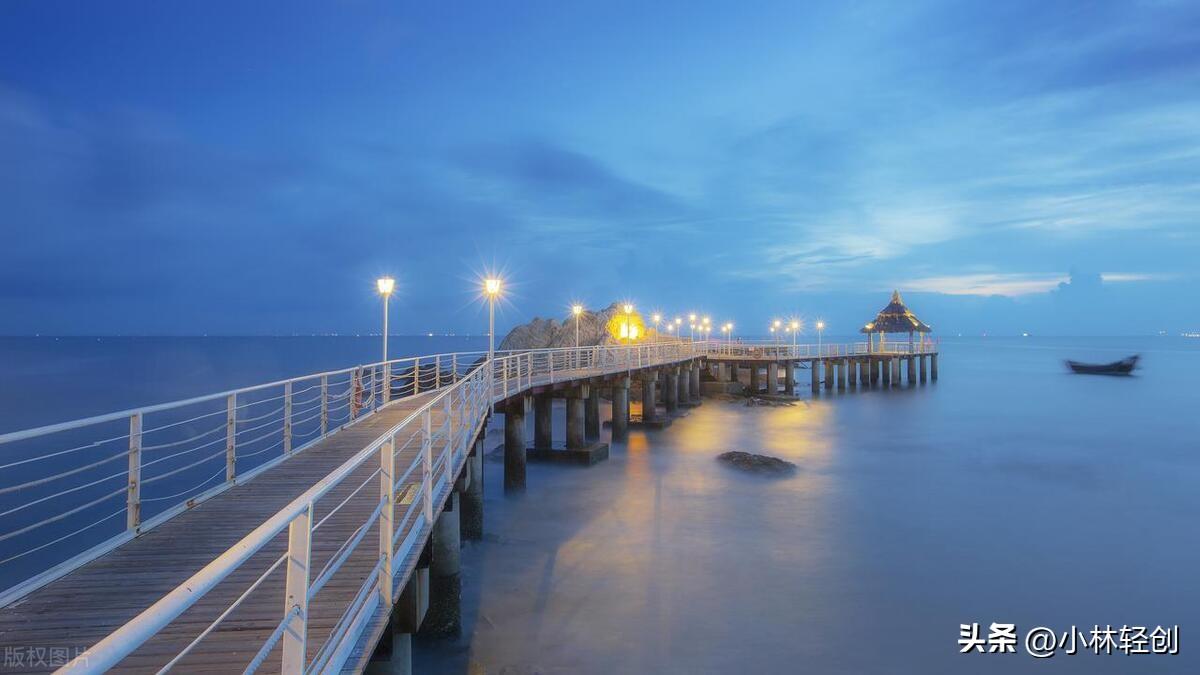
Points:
(1122, 367)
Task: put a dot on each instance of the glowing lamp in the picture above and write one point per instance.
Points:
(385, 285)
(491, 286)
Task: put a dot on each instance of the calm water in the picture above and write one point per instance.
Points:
(1010, 491)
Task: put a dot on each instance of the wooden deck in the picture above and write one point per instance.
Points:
(86, 605)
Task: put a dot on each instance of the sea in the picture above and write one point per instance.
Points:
(1010, 492)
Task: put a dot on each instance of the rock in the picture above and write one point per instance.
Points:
(548, 333)
(768, 401)
(759, 464)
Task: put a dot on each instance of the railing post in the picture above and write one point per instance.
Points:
(427, 467)
(387, 381)
(231, 438)
(354, 388)
(295, 604)
(454, 367)
(287, 418)
(416, 375)
(133, 500)
(550, 358)
(324, 405)
(437, 372)
(387, 494)
(449, 412)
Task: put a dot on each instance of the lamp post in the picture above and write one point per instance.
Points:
(775, 328)
(692, 327)
(385, 285)
(577, 310)
(628, 322)
(656, 318)
(491, 288)
(820, 327)
(795, 330)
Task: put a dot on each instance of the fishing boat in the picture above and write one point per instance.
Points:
(1123, 367)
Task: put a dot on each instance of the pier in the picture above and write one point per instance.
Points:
(333, 505)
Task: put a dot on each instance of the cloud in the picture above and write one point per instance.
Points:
(1011, 285)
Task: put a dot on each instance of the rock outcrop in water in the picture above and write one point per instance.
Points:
(758, 464)
(546, 333)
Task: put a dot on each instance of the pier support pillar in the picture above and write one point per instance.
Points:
(685, 385)
(895, 371)
(933, 367)
(620, 409)
(591, 414)
(649, 403)
(695, 385)
(830, 374)
(514, 444)
(924, 366)
(844, 375)
(731, 371)
(575, 415)
(789, 378)
(444, 618)
(543, 406)
(885, 372)
(671, 391)
(755, 379)
(773, 378)
(471, 523)
(814, 369)
(837, 374)
(912, 370)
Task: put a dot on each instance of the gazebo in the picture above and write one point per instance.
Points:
(895, 318)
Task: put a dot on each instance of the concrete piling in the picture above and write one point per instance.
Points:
(471, 513)
(575, 415)
(773, 378)
(620, 409)
(815, 371)
(444, 618)
(591, 414)
(829, 366)
(685, 386)
(543, 405)
(895, 371)
(514, 444)
(789, 378)
(912, 370)
(924, 367)
(695, 386)
(755, 379)
(844, 375)
(649, 402)
(671, 391)
(933, 367)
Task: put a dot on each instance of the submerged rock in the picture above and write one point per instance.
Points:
(770, 401)
(760, 464)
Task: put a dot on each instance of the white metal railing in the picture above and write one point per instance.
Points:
(779, 350)
(241, 433)
(435, 438)
(72, 491)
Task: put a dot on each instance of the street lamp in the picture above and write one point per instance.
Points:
(577, 310)
(656, 318)
(491, 288)
(820, 327)
(385, 285)
(795, 330)
(776, 326)
(628, 322)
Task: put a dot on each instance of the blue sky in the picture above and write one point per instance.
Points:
(250, 168)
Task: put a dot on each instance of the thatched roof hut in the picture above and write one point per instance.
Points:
(896, 318)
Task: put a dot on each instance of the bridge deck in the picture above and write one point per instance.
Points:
(86, 605)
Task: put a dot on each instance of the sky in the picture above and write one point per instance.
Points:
(250, 168)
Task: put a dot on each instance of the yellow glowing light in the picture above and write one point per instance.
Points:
(678, 321)
(692, 318)
(385, 285)
(577, 309)
(656, 318)
(706, 321)
(628, 308)
(491, 286)
(795, 325)
(777, 323)
(820, 325)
